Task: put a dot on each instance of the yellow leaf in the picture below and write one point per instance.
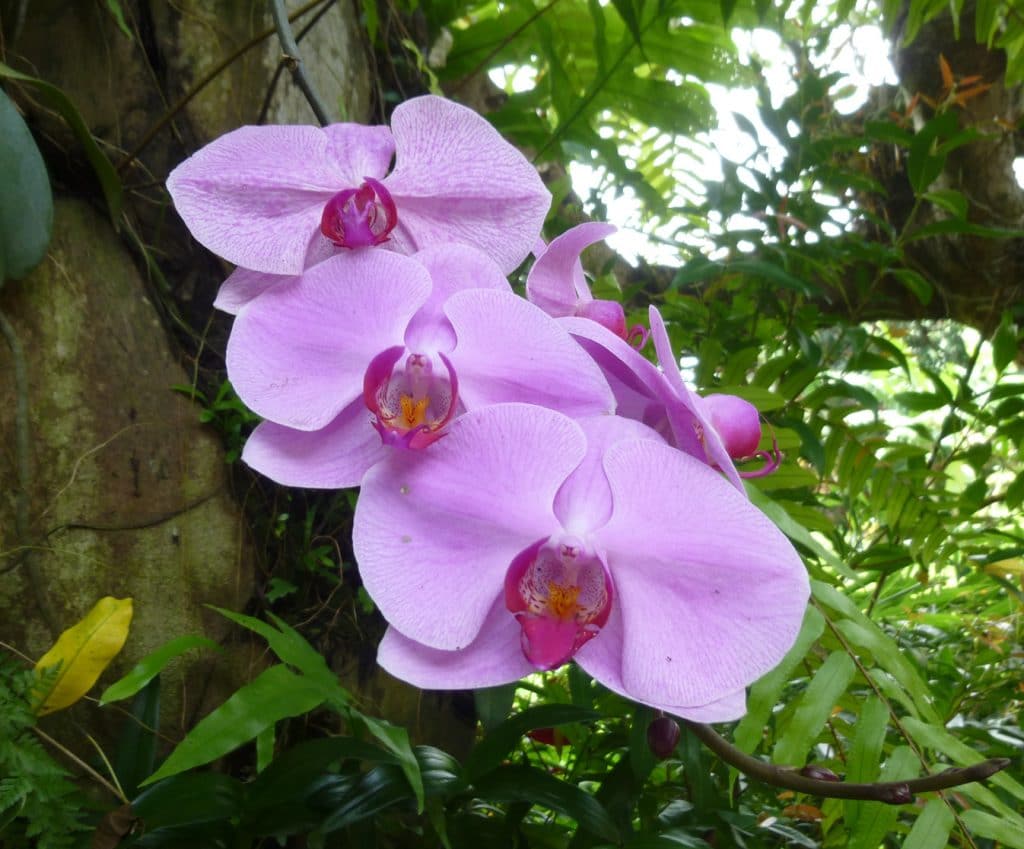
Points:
(83, 651)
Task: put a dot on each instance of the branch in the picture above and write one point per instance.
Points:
(890, 792)
(294, 62)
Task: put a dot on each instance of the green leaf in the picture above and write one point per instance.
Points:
(1004, 343)
(275, 694)
(794, 530)
(490, 751)
(865, 756)
(494, 704)
(197, 797)
(292, 648)
(396, 740)
(925, 161)
(813, 708)
(765, 692)
(764, 399)
(135, 755)
(26, 202)
(531, 786)
(931, 828)
(381, 788)
(59, 102)
(877, 819)
(152, 665)
(1005, 830)
(917, 285)
(919, 402)
(954, 202)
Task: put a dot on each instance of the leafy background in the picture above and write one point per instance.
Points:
(898, 411)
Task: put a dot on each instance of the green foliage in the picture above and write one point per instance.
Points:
(26, 204)
(39, 806)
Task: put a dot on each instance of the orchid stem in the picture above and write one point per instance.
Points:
(294, 61)
(890, 792)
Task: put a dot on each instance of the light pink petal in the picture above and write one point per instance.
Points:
(602, 659)
(710, 591)
(255, 195)
(584, 501)
(510, 350)
(334, 457)
(688, 408)
(360, 151)
(436, 530)
(297, 354)
(556, 282)
(243, 285)
(452, 268)
(492, 659)
(457, 180)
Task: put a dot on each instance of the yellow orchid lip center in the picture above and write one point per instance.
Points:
(562, 600)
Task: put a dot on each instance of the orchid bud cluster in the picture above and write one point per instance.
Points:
(533, 489)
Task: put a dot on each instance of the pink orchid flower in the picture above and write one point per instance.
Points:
(557, 284)
(276, 199)
(525, 539)
(371, 348)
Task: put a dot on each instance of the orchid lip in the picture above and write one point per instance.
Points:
(561, 594)
(360, 217)
(411, 402)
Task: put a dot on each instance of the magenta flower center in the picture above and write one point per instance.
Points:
(359, 218)
(411, 401)
(561, 594)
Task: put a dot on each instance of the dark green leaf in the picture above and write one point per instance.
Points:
(1004, 343)
(26, 203)
(493, 705)
(526, 784)
(490, 751)
(196, 797)
(135, 755)
(59, 102)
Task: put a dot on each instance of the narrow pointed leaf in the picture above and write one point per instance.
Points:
(152, 665)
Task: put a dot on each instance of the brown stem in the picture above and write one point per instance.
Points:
(890, 792)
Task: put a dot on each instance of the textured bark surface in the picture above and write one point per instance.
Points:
(130, 494)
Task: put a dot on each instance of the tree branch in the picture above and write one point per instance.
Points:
(294, 61)
(890, 792)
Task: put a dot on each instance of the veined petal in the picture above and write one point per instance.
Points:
(243, 285)
(457, 180)
(584, 501)
(255, 195)
(360, 151)
(710, 591)
(510, 350)
(334, 457)
(556, 282)
(687, 414)
(492, 659)
(452, 269)
(602, 659)
(297, 354)
(436, 530)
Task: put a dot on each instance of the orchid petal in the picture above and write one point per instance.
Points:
(436, 530)
(334, 457)
(360, 151)
(737, 423)
(298, 352)
(492, 659)
(601, 658)
(584, 502)
(510, 350)
(255, 195)
(452, 269)
(457, 180)
(688, 409)
(711, 593)
(556, 282)
(243, 285)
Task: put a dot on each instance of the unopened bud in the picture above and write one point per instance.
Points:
(662, 736)
(818, 773)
